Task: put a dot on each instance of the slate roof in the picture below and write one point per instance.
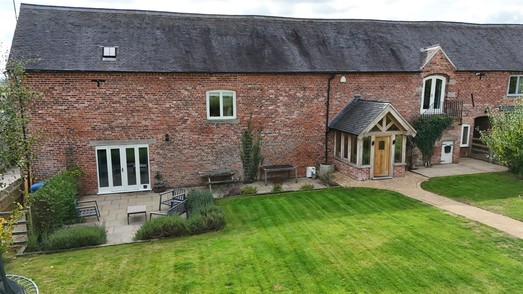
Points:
(357, 116)
(70, 39)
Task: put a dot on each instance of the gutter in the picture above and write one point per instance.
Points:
(327, 117)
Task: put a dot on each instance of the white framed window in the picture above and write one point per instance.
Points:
(109, 52)
(515, 86)
(433, 94)
(465, 135)
(221, 104)
(345, 146)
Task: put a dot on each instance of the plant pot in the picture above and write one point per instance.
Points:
(159, 187)
(326, 168)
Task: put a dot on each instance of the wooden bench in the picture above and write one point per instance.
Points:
(280, 168)
(222, 176)
(172, 197)
(87, 208)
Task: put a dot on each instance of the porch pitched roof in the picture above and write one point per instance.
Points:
(359, 116)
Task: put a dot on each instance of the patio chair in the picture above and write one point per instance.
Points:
(172, 197)
(87, 208)
(178, 208)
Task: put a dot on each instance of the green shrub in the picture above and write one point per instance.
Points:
(52, 205)
(196, 224)
(276, 188)
(161, 227)
(327, 179)
(248, 190)
(306, 187)
(75, 237)
(197, 199)
(213, 216)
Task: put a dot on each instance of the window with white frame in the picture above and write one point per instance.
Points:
(109, 52)
(221, 104)
(515, 86)
(433, 94)
(465, 135)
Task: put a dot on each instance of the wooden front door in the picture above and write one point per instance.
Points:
(382, 157)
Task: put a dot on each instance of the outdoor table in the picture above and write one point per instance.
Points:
(136, 209)
(279, 168)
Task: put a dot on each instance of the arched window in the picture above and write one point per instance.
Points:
(433, 94)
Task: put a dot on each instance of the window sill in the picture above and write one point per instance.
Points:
(223, 121)
(399, 164)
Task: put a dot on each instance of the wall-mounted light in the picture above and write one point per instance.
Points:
(343, 79)
(98, 82)
(479, 74)
(393, 142)
(167, 138)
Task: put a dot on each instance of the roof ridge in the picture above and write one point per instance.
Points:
(286, 18)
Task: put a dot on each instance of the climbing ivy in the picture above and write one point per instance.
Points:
(250, 152)
(429, 130)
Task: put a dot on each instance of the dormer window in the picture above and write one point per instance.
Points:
(109, 52)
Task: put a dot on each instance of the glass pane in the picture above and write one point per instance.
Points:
(381, 145)
(376, 128)
(144, 165)
(131, 166)
(353, 148)
(366, 151)
(228, 104)
(438, 92)
(398, 149)
(345, 146)
(513, 85)
(337, 151)
(116, 167)
(214, 105)
(520, 85)
(103, 172)
(426, 94)
(465, 136)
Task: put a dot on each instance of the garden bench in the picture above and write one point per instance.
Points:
(86, 208)
(279, 168)
(178, 208)
(136, 209)
(219, 176)
(172, 197)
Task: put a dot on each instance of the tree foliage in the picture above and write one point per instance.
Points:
(15, 140)
(250, 152)
(429, 130)
(505, 136)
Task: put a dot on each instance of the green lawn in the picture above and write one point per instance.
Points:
(498, 192)
(329, 241)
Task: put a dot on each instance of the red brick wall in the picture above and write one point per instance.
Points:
(74, 111)
(290, 107)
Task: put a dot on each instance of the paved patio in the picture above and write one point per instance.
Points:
(465, 166)
(113, 207)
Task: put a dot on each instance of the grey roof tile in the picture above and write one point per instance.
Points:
(357, 116)
(70, 39)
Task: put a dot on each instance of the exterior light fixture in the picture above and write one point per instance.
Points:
(343, 79)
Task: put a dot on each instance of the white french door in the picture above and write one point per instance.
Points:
(122, 168)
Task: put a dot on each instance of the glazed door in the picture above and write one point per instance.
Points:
(122, 169)
(382, 157)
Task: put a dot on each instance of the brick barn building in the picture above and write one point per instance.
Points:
(127, 94)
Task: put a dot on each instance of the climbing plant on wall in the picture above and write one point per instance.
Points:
(250, 152)
(429, 130)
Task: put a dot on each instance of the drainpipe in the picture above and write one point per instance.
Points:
(327, 117)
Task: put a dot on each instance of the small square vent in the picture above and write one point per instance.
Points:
(109, 52)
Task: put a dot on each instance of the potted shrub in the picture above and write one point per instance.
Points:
(159, 184)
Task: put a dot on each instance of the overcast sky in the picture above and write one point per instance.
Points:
(476, 11)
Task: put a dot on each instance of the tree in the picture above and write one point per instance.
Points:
(15, 140)
(505, 136)
(429, 130)
(250, 152)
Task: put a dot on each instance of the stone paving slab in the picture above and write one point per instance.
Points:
(464, 167)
